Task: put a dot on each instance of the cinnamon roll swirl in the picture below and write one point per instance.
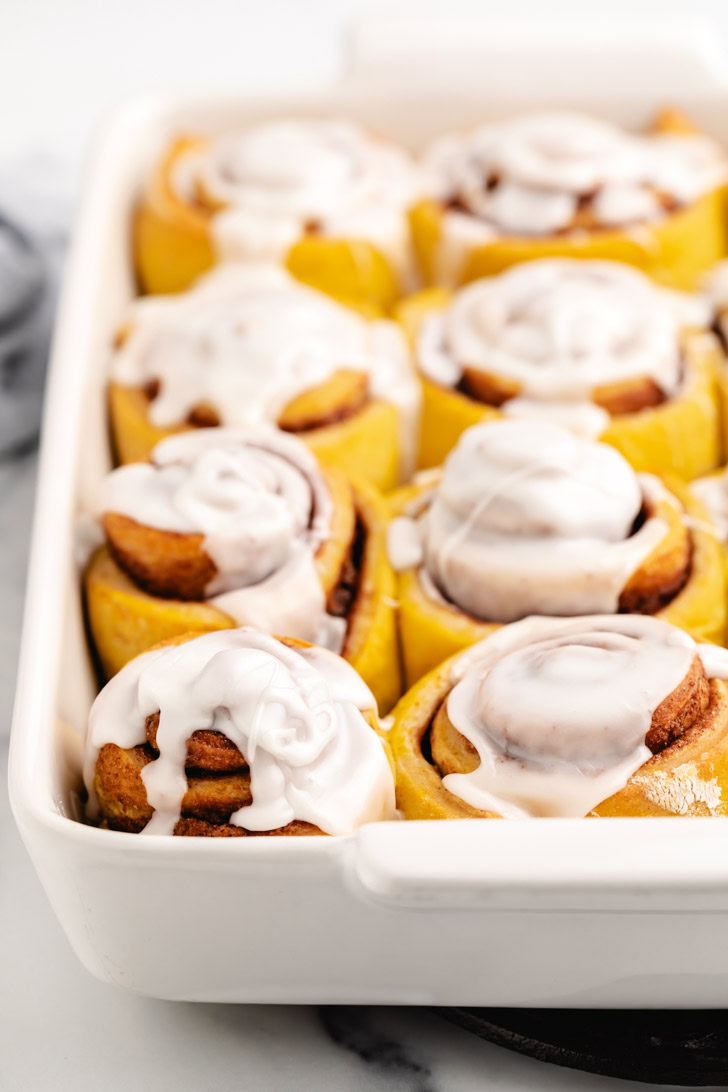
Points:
(566, 184)
(594, 716)
(326, 197)
(526, 518)
(234, 734)
(224, 528)
(250, 345)
(596, 346)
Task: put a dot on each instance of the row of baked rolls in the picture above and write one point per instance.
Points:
(332, 201)
(228, 527)
(250, 345)
(594, 716)
(597, 346)
(326, 197)
(237, 733)
(527, 518)
(564, 184)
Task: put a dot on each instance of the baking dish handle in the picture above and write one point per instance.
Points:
(548, 864)
(649, 58)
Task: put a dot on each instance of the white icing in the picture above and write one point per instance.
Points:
(459, 235)
(559, 709)
(294, 713)
(247, 340)
(625, 202)
(712, 491)
(275, 179)
(584, 419)
(528, 519)
(258, 498)
(715, 286)
(546, 162)
(560, 328)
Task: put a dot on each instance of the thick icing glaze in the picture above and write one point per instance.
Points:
(258, 498)
(531, 175)
(559, 709)
(526, 176)
(274, 180)
(529, 518)
(712, 491)
(559, 328)
(247, 340)
(294, 713)
(715, 286)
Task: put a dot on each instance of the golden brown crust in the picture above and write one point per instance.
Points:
(206, 750)
(342, 395)
(618, 399)
(167, 563)
(188, 828)
(665, 570)
(339, 398)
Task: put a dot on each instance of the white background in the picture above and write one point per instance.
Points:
(63, 62)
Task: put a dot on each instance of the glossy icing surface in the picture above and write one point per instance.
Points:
(294, 713)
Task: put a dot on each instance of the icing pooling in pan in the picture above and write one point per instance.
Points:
(247, 340)
(529, 518)
(274, 180)
(560, 328)
(559, 709)
(260, 501)
(294, 713)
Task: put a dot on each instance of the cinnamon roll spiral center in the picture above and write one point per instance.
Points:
(559, 711)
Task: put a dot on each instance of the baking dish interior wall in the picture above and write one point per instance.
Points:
(412, 118)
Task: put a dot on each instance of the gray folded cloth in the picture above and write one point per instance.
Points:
(32, 244)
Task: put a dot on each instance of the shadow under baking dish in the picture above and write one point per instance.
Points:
(681, 1047)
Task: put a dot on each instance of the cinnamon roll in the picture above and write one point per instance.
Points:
(594, 716)
(596, 346)
(326, 197)
(527, 518)
(250, 345)
(224, 528)
(236, 734)
(565, 184)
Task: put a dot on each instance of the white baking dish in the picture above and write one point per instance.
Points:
(570, 913)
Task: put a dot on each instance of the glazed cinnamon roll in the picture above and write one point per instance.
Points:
(249, 345)
(526, 518)
(326, 197)
(596, 346)
(595, 716)
(564, 184)
(224, 528)
(234, 734)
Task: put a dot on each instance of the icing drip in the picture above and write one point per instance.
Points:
(247, 340)
(294, 713)
(560, 328)
(559, 709)
(716, 286)
(260, 501)
(712, 491)
(275, 179)
(527, 176)
(529, 518)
